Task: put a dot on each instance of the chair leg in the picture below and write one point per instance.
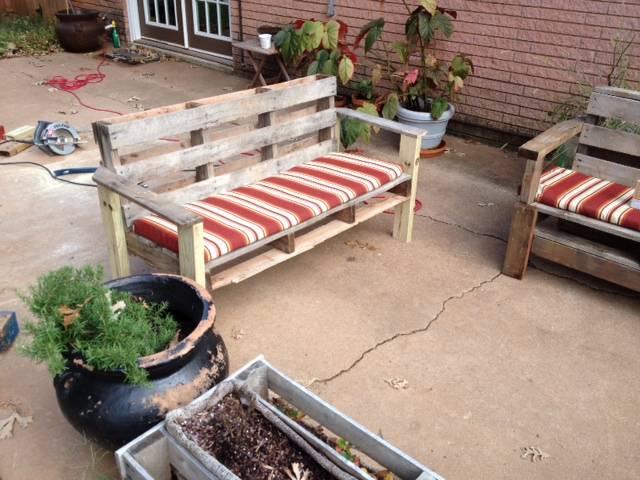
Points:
(523, 227)
(115, 229)
(404, 212)
(191, 253)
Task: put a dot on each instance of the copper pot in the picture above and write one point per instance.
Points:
(80, 32)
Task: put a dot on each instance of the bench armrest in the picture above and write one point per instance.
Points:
(146, 198)
(537, 149)
(383, 123)
(540, 146)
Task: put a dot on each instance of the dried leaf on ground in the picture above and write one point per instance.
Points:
(533, 453)
(483, 204)
(360, 244)
(237, 333)
(7, 424)
(398, 383)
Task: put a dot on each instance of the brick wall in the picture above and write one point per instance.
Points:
(528, 54)
(112, 9)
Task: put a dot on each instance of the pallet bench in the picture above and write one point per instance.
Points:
(583, 217)
(146, 178)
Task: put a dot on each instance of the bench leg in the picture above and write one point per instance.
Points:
(403, 218)
(115, 230)
(523, 227)
(191, 252)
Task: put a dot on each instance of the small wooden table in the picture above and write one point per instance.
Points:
(252, 47)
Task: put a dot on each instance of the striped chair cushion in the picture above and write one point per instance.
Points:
(588, 196)
(250, 213)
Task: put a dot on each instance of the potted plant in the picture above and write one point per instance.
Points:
(79, 31)
(125, 352)
(236, 434)
(424, 91)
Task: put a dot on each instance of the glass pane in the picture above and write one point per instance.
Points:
(225, 30)
(162, 17)
(172, 13)
(202, 18)
(213, 18)
(151, 7)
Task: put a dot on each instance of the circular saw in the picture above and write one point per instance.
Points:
(56, 137)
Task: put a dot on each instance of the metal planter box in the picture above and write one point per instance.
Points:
(156, 454)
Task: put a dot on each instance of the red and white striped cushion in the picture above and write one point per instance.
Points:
(588, 196)
(250, 213)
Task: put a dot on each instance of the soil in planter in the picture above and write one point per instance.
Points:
(248, 444)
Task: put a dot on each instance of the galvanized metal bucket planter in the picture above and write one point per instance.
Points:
(156, 454)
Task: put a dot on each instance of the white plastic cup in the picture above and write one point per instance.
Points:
(265, 40)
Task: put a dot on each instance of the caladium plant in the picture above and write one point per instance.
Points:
(318, 47)
(423, 83)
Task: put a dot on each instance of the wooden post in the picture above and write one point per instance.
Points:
(410, 158)
(329, 132)
(115, 230)
(523, 227)
(191, 252)
(635, 203)
(266, 120)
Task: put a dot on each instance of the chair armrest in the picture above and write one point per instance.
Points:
(146, 198)
(383, 123)
(540, 146)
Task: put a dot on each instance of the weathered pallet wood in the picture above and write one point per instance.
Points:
(589, 222)
(570, 249)
(603, 261)
(616, 107)
(155, 454)
(614, 172)
(227, 108)
(193, 157)
(609, 139)
(303, 243)
(288, 124)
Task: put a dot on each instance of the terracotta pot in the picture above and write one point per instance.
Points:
(340, 101)
(434, 152)
(270, 29)
(80, 32)
(105, 408)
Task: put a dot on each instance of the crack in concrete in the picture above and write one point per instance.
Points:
(531, 264)
(462, 227)
(395, 336)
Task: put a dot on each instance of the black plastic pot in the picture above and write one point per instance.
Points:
(111, 412)
(80, 32)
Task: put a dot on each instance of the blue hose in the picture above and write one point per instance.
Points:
(73, 171)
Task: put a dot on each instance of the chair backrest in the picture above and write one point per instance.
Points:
(605, 150)
(189, 150)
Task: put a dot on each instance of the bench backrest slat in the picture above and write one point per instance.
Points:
(212, 152)
(611, 171)
(605, 150)
(223, 109)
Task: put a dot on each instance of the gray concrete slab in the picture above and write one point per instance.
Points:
(492, 364)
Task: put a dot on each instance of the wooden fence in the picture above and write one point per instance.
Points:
(32, 7)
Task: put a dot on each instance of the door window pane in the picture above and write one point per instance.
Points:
(225, 29)
(151, 7)
(162, 18)
(202, 17)
(172, 13)
(213, 18)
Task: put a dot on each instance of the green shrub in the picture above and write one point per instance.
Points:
(26, 36)
(109, 329)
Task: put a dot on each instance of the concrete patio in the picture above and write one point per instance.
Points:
(492, 364)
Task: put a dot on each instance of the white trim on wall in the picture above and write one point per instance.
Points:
(134, 20)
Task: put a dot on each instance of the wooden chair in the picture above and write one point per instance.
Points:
(565, 233)
(290, 123)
